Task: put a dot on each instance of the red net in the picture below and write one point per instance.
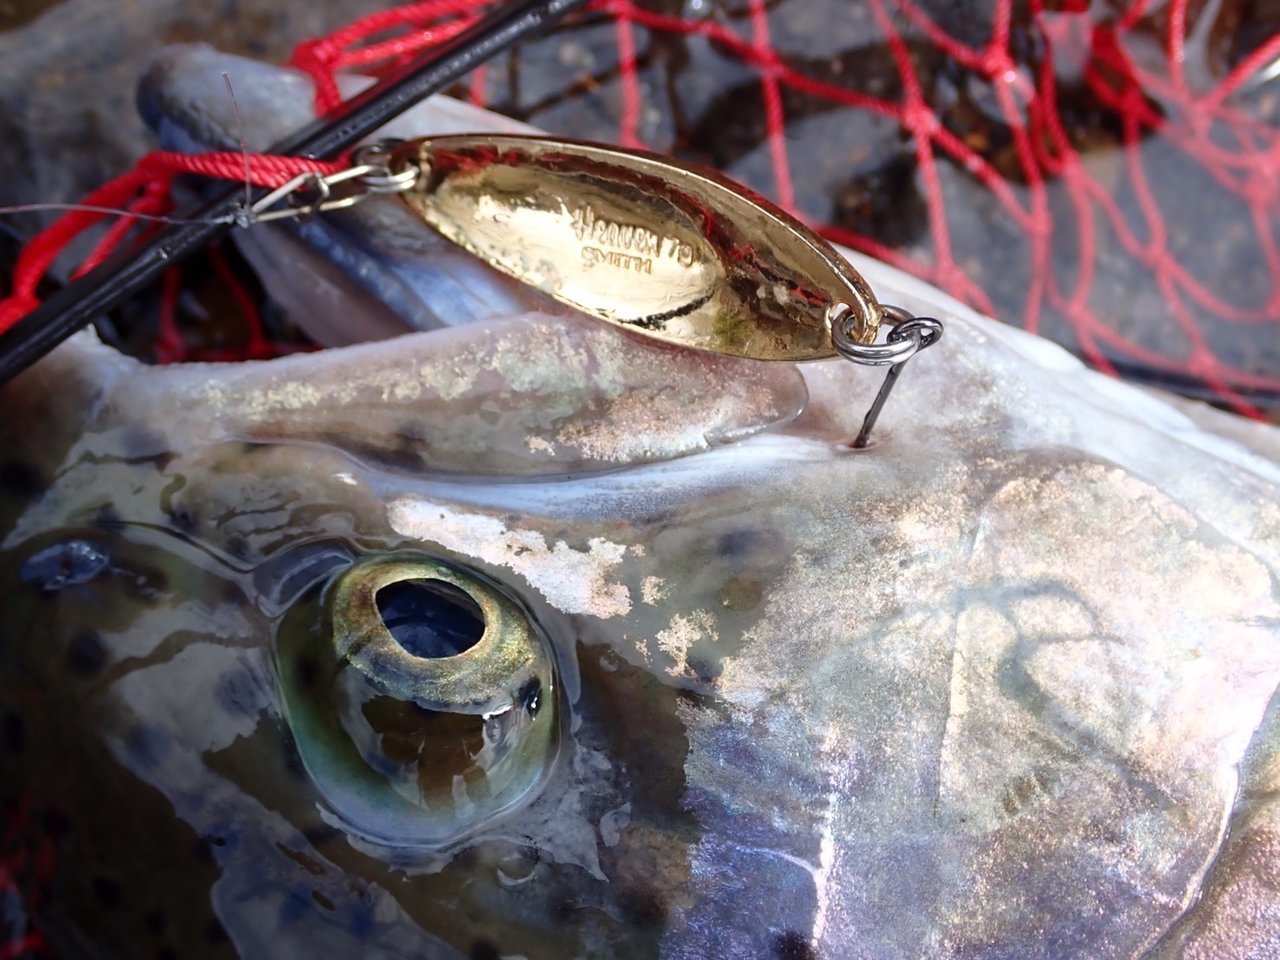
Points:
(1026, 148)
(1131, 64)
(1190, 256)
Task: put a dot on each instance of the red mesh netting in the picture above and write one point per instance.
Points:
(1103, 174)
(1129, 170)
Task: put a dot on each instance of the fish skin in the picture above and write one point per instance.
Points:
(1002, 685)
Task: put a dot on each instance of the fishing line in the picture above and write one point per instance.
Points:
(244, 143)
(125, 212)
(105, 211)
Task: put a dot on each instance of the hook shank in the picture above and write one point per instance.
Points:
(908, 335)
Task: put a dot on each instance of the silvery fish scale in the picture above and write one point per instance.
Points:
(1001, 685)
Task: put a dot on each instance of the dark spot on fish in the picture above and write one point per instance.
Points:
(741, 593)
(307, 670)
(301, 859)
(62, 565)
(695, 698)
(411, 436)
(238, 694)
(466, 859)
(705, 670)
(1025, 788)
(405, 457)
(793, 945)
(214, 932)
(740, 544)
(147, 746)
(530, 697)
(22, 480)
(324, 901)
(86, 655)
(360, 917)
(155, 921)
(404, 453)
(237, 547)
(205, 847)
(13, 733)
(484, 950)
(563, 910)
(106, 518)
(107, 891)
(645, 908)
(292, 759)
(183, 518)
(140, 443)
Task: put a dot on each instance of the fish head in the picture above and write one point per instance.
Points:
(531, 637)
(307, 703)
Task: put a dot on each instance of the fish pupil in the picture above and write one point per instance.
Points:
(430, 618)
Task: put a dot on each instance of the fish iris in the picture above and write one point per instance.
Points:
(421, 699)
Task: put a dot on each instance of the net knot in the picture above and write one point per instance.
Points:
(996, 64)
(920, 120)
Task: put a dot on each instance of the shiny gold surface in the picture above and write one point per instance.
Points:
(641, 241)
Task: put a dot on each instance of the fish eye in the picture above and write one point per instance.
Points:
(422, 700)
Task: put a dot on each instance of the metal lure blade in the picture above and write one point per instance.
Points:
(641, 241)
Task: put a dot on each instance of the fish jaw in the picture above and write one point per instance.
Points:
(527, 396)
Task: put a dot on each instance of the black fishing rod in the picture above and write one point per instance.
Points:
(81, 301)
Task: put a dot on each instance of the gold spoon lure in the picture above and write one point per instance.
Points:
(674, 252)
